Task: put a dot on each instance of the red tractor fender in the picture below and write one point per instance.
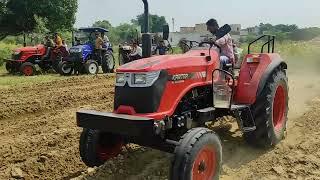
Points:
(268, 72)
(254, 73)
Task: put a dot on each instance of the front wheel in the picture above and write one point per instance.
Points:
(270, 112)
(27, 69)
(10, 68)
(198, 156)
(92, 67)
(97, 147)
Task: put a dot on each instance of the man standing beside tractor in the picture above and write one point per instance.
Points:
(98, 45)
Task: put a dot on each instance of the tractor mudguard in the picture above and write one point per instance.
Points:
(254, 73)
(268, 72)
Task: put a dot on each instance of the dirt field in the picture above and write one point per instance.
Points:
(39, 138)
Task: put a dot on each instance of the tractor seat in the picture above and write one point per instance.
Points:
(47, 54)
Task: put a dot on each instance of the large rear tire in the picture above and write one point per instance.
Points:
(198, 156)
(270, 112)
(27, 69)
(65, 69)
(92, 67)
(108, 63)
(97, 147)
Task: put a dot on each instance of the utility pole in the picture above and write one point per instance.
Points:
(173, 25)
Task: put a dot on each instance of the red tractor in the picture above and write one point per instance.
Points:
(25, 59)
(166, 103)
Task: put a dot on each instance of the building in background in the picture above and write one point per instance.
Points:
(199, 33)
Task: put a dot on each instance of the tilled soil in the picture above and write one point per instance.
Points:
(37, 125)
(39, 138)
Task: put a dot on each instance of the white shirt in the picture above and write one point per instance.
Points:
(138, 51)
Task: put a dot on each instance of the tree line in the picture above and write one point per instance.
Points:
(286, 32)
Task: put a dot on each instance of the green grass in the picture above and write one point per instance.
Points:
(6, 51)
(7, 80)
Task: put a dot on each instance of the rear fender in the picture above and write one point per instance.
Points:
(253, 76)
(268, 72)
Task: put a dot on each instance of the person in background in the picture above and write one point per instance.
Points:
(57, 41)
(98, 45)
(225, 43)
(48, 41)
(65, 44)
(48, 45)
(136, 52)
(161, 48)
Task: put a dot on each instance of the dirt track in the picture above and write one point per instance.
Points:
(39, 137)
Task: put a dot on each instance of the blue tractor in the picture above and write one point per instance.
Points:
(84, 58)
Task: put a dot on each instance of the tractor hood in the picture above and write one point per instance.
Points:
(194, 58)
(30, 48)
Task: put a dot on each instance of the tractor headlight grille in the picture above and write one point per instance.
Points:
(143, 79)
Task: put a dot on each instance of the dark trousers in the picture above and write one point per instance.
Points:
(136, 57)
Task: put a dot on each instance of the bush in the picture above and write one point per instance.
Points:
(6, 51)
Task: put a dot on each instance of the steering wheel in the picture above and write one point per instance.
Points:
(189, 44)
(211, 43)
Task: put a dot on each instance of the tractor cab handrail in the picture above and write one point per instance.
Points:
(270, 43)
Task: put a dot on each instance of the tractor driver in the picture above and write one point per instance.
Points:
(136, 52)
(48, 45)
(225, 43)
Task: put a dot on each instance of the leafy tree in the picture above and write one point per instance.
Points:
(123, 32)
(103, 24)
(18, 16)
(126, 32)
(156, 22)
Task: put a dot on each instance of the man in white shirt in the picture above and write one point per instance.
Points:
(136, 52)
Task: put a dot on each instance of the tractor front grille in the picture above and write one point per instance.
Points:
(16, 56)
(76, 56)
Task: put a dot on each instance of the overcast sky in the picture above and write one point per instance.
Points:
(304, 13)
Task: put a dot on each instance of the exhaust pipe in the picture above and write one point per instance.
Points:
(146, 16)
(146, 37)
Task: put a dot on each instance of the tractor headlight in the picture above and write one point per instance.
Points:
(16, 52)
(75, 50)
(120, 78)
(143, 79)
(139, 78)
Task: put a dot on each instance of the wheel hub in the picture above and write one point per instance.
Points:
(279, 106)
(202, 166)
(66, 69)
(28, 70)
(205, 164)
(92, 68)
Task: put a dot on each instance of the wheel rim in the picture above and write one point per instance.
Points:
(66, 69)
(92, 68)
(279, 106)
(28, 70)
(107, 152)
(204, 166)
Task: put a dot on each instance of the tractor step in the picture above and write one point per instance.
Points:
(206, 114)
(249, 129)
(244, 117)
